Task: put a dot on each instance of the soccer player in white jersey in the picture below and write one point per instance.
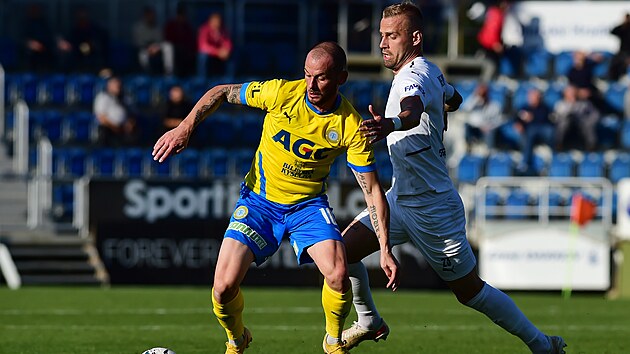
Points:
(425, 207)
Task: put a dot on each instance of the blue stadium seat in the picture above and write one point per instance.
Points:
(215, 162)
(132, 161)
(620, 167)
(383, 165)
(102, 162)
(24, 86)
(608, 129)
(189, 163)
(284, 58)
(591, 166)
(250, 128)
(494, 202)
(36, 119)
(243, 159)
(539, 165)
(337, 167)
(464, 87)
(53, 89)
(553, 94)
(165, 168)
(563, 62)
(381, 93)
(562, 165)
(624, 137)
(601, 68)
(82, 88)
(62, 201)
(499, 164)
(469, 168)
(77, 162)
(196, 87)
(516, 204)
(360, 93)
(253, 64)
(52, 126)
(537, 63)
(614, 95)
(140, 90)
(80, 127)
(498, 93)
(221, 130)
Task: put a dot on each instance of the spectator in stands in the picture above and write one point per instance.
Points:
(154, 53)
(484, 116)
(621, 60)
(181, 34)
(581, 114)
(39, 40)
(175, 108)
(581, 76)
(116, 127)
(214, 46)
(87, 42)
(489, 36)
(535, 127)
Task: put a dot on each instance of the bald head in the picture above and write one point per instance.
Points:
(330, 51)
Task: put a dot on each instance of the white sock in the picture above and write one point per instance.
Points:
(503, 311)
(362, 297)
(332, 340)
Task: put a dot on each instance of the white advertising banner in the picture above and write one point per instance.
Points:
(571, 25)
(623, 209)
(540, 259)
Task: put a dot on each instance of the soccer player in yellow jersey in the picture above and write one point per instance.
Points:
(307, 125)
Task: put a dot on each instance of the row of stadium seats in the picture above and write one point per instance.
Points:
(544, 64)
(520, 203)
(76, 162)
(80, 128)
(502, 164)
(146, 91)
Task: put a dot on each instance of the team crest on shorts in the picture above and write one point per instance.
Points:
(240, 212)
(332, 135)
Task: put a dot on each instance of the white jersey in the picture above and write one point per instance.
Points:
(418, 155)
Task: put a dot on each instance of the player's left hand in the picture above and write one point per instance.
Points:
(390, 266)
(376, 128)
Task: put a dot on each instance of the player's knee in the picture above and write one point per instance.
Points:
(223, 291)
(338, 279)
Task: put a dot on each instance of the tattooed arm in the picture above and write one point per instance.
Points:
(378, 210)
(176, 140)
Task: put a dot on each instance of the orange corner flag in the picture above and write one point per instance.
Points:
(582, 209)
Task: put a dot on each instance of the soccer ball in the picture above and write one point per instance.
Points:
(158, 351)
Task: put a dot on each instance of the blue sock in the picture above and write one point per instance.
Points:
(503, 311)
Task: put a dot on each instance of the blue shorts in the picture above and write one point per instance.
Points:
(261, 225)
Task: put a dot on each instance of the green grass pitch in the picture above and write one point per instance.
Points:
(132, 319)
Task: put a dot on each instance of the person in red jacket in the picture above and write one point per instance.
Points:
(489, 36)
(214, 47)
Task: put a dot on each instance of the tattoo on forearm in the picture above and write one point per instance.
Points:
(374, 219)
(234, 93)
(362, 183)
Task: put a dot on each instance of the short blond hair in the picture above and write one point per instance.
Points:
(408, 9)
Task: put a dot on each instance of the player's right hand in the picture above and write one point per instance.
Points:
(172, 142)
(390, 266)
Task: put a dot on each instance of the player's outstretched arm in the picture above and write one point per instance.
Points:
(176, 139)
(378, 210)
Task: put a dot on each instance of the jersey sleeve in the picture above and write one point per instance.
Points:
(360, 155)
(412, 85)
(261, 94)
(449, 91)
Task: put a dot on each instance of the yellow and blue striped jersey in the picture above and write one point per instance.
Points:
(300, 143)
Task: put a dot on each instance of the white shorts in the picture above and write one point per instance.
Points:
(437, 228)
